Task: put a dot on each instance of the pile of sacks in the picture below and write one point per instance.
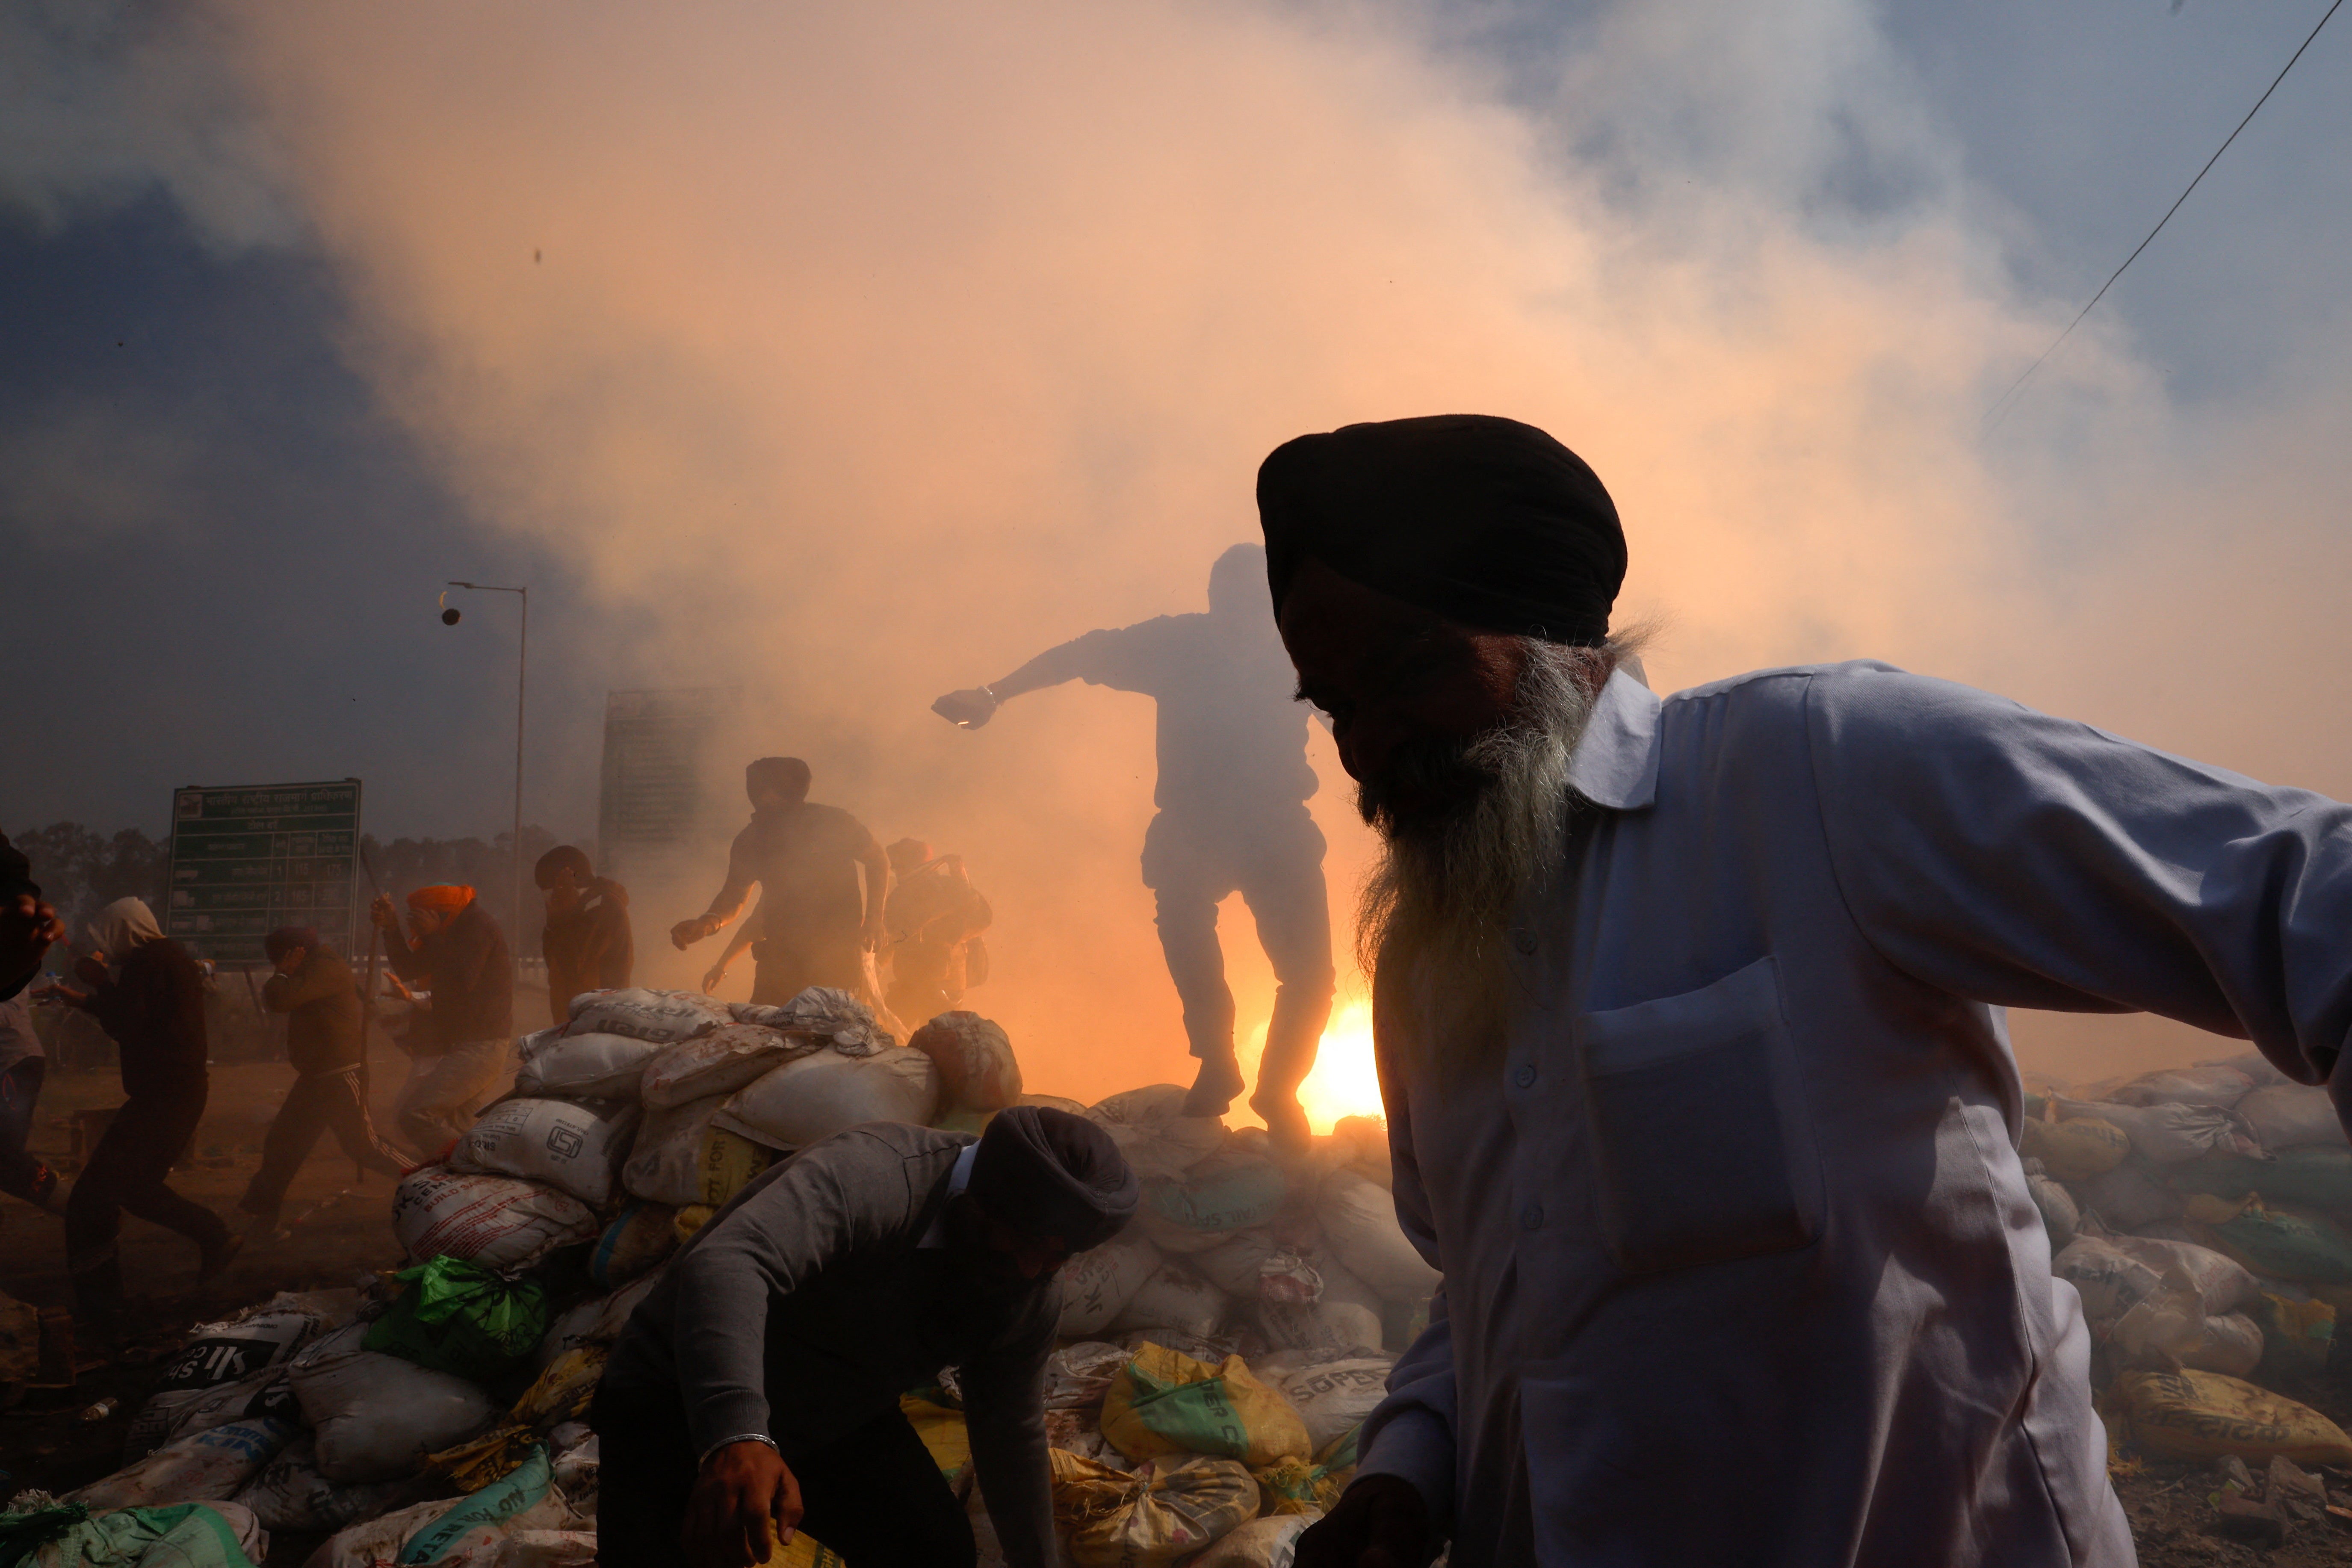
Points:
(434, 1415)
(2205, 1216)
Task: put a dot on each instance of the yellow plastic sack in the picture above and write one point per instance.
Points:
(1163, 1510)
(804, 1552)
(943, 1434)
(2203, 1414)
(561, 1393)
(728, 1160)
(1164, 1402)
(2076, 1151)
(689, 1219)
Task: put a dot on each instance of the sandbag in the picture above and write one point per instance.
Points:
(1315, 1306)
(232, 1352)
(1270, 1542)
(1150, 1516)
(640, 1236)
(2194, 1415)
(2291, 1116)
(2128, 1198)
(717, 1063)
(1078, 1376)
(663, 1017)
(2213, 1083)
(1233, 1264)
(499, 1221)
(2297, 1338)
(204, 1466)
(1335, 1398)
(475, 1520)
(682, 1159)
(459, 1317)
(2317, 1174)
(1223, 1194)
(828, 1092)
(562, 1393)
(1174, 1298)
(1150, 1128)
(1099, 1282)
(376, 1416)
(2287, 1245)
(1164, 1402)
(2075, 1151)
(2222, 1284)
(2165, 1134)
(1361, 1144)
(573, 1148)
(825, 1013)
(2060, 1217)
(2169, 1329)
(218, 1534)
(598, 1321)
(977, 1069)
(1360, 1221)
(265, 1394)
(575, 1065)
(291, 1494)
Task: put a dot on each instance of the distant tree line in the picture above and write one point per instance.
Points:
(81, 870)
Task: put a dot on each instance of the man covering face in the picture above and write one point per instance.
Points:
(1688, 1021)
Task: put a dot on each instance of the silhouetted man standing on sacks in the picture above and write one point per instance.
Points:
(455, 950)
(1233, 790)
(147, 993)
(755, 1391)
(1688, 1033)
(817, 921)
(320, 998)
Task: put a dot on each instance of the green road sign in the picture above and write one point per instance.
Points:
(245, 861)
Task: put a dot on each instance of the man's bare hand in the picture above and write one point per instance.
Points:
(1379, 1523)
(746, 1503)
(381, 910)
(970, 708)
(90, 969)
(710, 982)
(685, 933)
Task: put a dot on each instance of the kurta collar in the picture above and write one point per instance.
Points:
(1616, 761)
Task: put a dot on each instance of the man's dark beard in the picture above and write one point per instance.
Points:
(1474, 828)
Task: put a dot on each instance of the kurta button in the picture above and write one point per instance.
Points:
(1526, 1074)
(1531, 1216)
(1525, 941)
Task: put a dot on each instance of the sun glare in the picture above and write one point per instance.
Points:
(1344, 1082)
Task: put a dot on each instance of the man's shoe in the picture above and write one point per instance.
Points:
(218, 1256)
(1286, 1122)
(1219, 1080)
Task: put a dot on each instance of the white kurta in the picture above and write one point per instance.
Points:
(1740, 1265)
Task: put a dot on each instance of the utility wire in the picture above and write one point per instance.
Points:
(2001, 407)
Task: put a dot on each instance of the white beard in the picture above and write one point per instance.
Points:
(1436, 914)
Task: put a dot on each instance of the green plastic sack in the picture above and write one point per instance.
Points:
(182, 1535)
(2287, 1246)
(487, 1508)
(1163, 1402)
(2318, 1176)
(2296, 1337)
(459, 1317)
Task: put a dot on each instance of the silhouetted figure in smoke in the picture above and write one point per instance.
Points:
(1234, 782)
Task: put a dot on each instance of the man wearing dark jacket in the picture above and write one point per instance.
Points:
(27, 928)
(316, 990)
(454, 949)
(148, 993)
(756, 1388)
(586, 940)
(935, 917)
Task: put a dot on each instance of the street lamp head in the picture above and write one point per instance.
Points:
(450, 616)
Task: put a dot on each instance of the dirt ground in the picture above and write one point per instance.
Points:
(339, 1233)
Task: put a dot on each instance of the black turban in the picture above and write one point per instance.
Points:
(1047, 1172)
(1486, 521)
(286, 939)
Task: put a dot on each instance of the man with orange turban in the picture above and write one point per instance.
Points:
(455, 950)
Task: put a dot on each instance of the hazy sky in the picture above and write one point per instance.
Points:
(856, 356)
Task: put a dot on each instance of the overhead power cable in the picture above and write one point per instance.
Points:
(2000, 405)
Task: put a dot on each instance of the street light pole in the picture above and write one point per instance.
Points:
(522, 674)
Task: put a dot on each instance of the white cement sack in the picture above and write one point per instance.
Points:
(828, 1092)
(570, 1066)
(1360, 1222)
(717, 1063)
(1228, 1192)
(376, 1416)
(567, 1146)
(2291, 1116)
(265, 1394)
(1269, 1543)
(978, 1070)
(1231, 1265)
(2222, 1282)
(1176, 1299)
(1336, 1395)
(2060, 1214)
(2214, 1083)
(1098, 1284)
(2127, 1197)
(499, 1221)
(1315, 1306)
(1078, 1376)
(1150, 1128)
(291, 1494)
(682, 1158)
(823, 1013)
(665, 1016)
(377, 1542)
(535, 1549)
(233, 1351)
(2115, 1273)
(596, 1322)
(2169, 1329)
(2166, 1134)
(204, 1466)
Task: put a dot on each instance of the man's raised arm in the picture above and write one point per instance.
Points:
(975, 706)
